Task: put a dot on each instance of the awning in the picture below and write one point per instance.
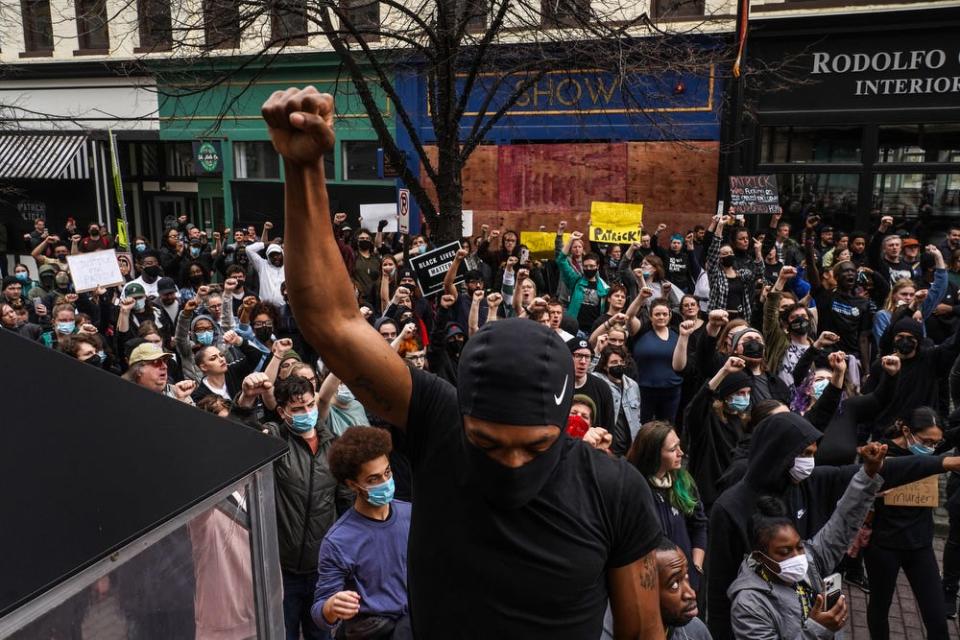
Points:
(44, 157)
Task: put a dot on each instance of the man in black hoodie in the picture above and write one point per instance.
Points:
(777, 467)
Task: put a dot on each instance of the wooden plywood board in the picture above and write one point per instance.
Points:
(563, 178)
(672, 178)
(479, 178)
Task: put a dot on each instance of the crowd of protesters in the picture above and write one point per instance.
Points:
(744, 396)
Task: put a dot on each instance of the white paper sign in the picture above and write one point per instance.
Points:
(94, 269)
(372, 214)
(467, 217)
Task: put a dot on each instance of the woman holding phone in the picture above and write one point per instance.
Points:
(780, 591)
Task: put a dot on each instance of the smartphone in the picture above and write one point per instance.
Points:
(832, 590)
(524, 255)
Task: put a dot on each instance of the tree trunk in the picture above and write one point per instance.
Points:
(449, 226)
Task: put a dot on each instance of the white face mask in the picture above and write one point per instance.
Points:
(794, 569)
(802, 468)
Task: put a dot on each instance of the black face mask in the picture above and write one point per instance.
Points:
(94, 233)
(617, 371)
(152, 271)
(589, 274)
(799, 326)
(454, 347)
(196, 280)
(263, 333)
(753, 349)
(95, 360)
(726, 261)
(509, 488)
(905, 345)
(364, 245)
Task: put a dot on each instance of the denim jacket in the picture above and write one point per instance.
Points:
(627, 398)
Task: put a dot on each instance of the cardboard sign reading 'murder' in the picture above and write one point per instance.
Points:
(431, 268)
(754, 194)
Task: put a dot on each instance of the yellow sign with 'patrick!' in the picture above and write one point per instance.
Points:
(615, 222)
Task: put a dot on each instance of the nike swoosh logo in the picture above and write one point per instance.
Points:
(558, 399)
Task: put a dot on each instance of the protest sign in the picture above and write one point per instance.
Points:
(94, 269)
(615, 222)
(754, 194)
(431, 268)
(372, 214)
(541, 243)
(922, 493)
(467, 223)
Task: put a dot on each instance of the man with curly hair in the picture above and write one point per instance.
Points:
(362, 571)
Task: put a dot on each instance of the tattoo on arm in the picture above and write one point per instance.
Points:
(648, 572)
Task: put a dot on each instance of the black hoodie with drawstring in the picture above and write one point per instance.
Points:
(775, 442)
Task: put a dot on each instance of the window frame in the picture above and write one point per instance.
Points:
(151, 37)
(31, 35)
(88, 29)
(221, 24)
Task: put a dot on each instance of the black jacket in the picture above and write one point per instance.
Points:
(307, 496)
(776, 441)
(711, 443)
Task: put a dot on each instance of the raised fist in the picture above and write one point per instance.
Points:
(300, 123)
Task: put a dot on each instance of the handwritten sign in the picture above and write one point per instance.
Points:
(541, 243)
(94, 269)
(372, 214)
(431, 268)
(922, 493)
(615, 222)
(466, 217)
(754, 194)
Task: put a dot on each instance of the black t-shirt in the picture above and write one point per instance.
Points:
(589, 307)
(475, 571)
(845, 315)
(735, 293)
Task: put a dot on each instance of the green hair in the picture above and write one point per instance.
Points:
(683, 493)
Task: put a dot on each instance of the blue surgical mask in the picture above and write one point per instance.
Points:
(304, 422)
(739, 403)
(141, 247)
(920, 449)
(205, 338)
(194, 252)
(23, 276)
(381, 494)
(66, 327)
(139, 304)
(819, 386)
(422, 248)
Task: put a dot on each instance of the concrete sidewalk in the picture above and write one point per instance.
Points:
(904, 616)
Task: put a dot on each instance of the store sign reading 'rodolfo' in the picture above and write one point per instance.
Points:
(928, 63)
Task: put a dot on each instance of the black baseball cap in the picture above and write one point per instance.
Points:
(166, 285)
(575, 344)
(516, 372)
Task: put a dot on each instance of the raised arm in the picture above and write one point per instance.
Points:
(301, 127)
(449, 286)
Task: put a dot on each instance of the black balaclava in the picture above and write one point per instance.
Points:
(535, 390)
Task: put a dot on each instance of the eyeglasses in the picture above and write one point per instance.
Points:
(582, 356)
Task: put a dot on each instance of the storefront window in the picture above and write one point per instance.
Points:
(781, 145)
(919, 143)
(912, 194)
(360, 159)
(256, 161)
(833, 195)
(178, 159)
